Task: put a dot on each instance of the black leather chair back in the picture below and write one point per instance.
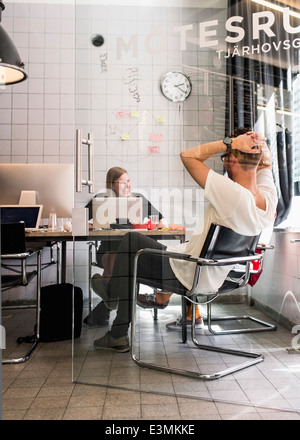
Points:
(222, 242)
(13, 238)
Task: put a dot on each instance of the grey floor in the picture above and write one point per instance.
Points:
(58, 383)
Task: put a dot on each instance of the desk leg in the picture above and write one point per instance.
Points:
(58, 263)
(90, 274)
(38, 295)
(63, 261)
(183, 319)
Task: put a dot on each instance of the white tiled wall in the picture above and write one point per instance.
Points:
(101, 94)
(38, 125)
(73, 84)
(68, 88)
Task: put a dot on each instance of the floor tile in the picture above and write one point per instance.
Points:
(110, 386)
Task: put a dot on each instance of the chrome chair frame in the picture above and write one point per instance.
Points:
(242, 280)
(23, 278)
(192, 297)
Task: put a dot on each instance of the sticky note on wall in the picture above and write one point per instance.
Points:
(123, 114)
(153, 149)
(125, 137)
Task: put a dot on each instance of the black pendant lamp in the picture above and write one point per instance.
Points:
(11, 67)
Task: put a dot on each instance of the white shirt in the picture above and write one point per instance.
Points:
(233, 206)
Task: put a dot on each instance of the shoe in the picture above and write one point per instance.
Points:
(199, 320)
(178, 323)
(148, 300)
(108, 342)
(99, 316)
(100, 287)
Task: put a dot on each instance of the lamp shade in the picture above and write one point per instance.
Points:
(11, 67)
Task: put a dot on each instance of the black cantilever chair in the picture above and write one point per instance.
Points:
(14, 272)
(222, 247)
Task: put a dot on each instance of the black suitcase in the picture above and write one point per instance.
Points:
(56, 315)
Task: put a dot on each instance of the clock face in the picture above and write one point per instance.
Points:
(176, 86)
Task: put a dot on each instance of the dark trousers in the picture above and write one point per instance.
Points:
(121, 283)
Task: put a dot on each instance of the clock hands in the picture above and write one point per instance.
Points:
(178, 86)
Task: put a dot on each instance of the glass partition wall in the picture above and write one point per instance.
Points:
(128, 58)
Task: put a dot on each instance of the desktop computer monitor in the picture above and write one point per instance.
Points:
(52, 185)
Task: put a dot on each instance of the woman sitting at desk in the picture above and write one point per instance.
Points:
(118, 185)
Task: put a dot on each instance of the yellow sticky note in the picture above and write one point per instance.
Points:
(134, 114)
(160, 119)
(125, 137)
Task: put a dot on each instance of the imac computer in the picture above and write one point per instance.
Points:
(50, 185)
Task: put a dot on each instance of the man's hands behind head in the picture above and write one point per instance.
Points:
(246, 142)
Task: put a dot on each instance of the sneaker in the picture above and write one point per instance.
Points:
(178, 323)
(108, 342)
(100, 287)
(98, 317)
(148, 300)
(199, 321)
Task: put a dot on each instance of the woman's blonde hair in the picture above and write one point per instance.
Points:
(112, 175)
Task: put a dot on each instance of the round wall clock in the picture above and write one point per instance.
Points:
(176, 86)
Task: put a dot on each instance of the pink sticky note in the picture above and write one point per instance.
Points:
(154, 137)
(153, 149)
(123, 114)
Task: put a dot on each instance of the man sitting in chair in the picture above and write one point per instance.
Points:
(245, 202)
